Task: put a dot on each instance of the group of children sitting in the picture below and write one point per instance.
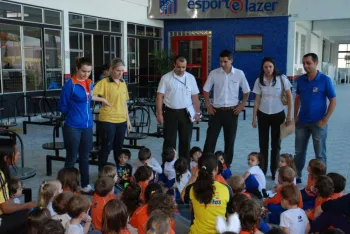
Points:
(143, 198)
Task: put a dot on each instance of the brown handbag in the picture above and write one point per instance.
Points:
(284, 97)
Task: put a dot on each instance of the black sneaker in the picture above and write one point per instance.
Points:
(299, 181)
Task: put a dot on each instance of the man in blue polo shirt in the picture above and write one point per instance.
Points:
(311, 113)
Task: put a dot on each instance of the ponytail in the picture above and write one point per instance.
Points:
(204, 189)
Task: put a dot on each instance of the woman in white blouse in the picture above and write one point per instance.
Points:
(269, 111)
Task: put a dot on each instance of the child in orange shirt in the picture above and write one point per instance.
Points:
(159, 223)
(324, 188)
(249, 214)
(115, 218)
(315, 168)
(143, 176)
(339, 183)
(226, 171)
(104, 192)
(219, 177)
(69, 178)
(158, 201)
(286, 177)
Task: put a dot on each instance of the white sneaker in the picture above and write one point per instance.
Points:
(87, 189)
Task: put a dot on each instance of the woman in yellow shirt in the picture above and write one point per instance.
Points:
(114, 119)
(209, 198)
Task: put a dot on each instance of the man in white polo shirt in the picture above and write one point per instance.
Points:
(226, 105)
(178, 91)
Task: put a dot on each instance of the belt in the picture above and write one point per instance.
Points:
(229, 108)
(170, 109)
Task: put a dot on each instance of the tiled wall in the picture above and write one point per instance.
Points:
(275, 39)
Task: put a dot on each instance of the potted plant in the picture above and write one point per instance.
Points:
(163, 61)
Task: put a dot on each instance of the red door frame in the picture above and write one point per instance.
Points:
(175, 49)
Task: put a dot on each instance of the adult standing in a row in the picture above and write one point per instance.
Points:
(114, 119)
(269, 111)
(75, 105)
(178, 90)
(311, 112)
(226, 106)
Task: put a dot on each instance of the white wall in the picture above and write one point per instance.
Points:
(126, 10)
(318, 9)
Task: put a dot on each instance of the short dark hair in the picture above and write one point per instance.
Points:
(324, 186)
(313, 56)
(13, 185)
(151, 190)
(226, 53)
(249, 214)
(60, 202)
(237, 200)
(339, 181)
(77, 205)
(291, 193)
(180, 166)
(194, 150)
(103, 186)
(144, 154)
(179, 58)
(83, 61)
(168, 154)
(126, 152)
(287, 174)
(143, 173)
(52, 227)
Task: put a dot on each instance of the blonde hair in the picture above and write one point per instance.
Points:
(116, 62)
(108, 171)
(48, 190)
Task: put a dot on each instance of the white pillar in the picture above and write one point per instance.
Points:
(291, 48)
(125, 44)
(66, 42)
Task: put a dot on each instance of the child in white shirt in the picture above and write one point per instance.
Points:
(195, 154)
(294, 219)
(182, 177)
(60, 206)
(168, 176)
(255, 180)
(15, 187)
(78, 208)
(145, 159)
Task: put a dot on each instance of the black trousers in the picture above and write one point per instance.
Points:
(228, 120)
(177, 121)
(265, 122)
(14, 223)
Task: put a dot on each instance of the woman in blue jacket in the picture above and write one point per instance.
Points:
(74, 103)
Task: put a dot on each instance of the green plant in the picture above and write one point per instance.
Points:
(163, 61)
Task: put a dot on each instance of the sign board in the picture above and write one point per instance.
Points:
(248, 43)
(207, 9)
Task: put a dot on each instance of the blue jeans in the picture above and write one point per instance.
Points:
(303, 131)
(113, 135)
(78, 141)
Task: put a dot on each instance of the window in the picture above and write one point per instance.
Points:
(344, 56)
(33, 14)
(53, 55)
(52, 17)
(33, 58)
(302, 46)
(11, 58)
(131, 29)
(140, 29)
(75, 21)
(10, 11)
(90, 22)
(157, 32)
(116, 27)
(103, 25)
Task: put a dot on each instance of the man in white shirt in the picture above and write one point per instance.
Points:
(178, 91)
(226, 105)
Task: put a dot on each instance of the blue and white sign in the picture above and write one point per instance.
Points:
(167, 9)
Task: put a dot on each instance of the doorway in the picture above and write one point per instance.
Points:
(195, 50)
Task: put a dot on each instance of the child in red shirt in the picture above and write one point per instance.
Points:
(158, 201)
(143, 176)
(315, 168)
(325, 190)
(286, 176)
(115, 218)
(104, 192)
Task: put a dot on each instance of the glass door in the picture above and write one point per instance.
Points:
(133, 60)
(195, 50)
